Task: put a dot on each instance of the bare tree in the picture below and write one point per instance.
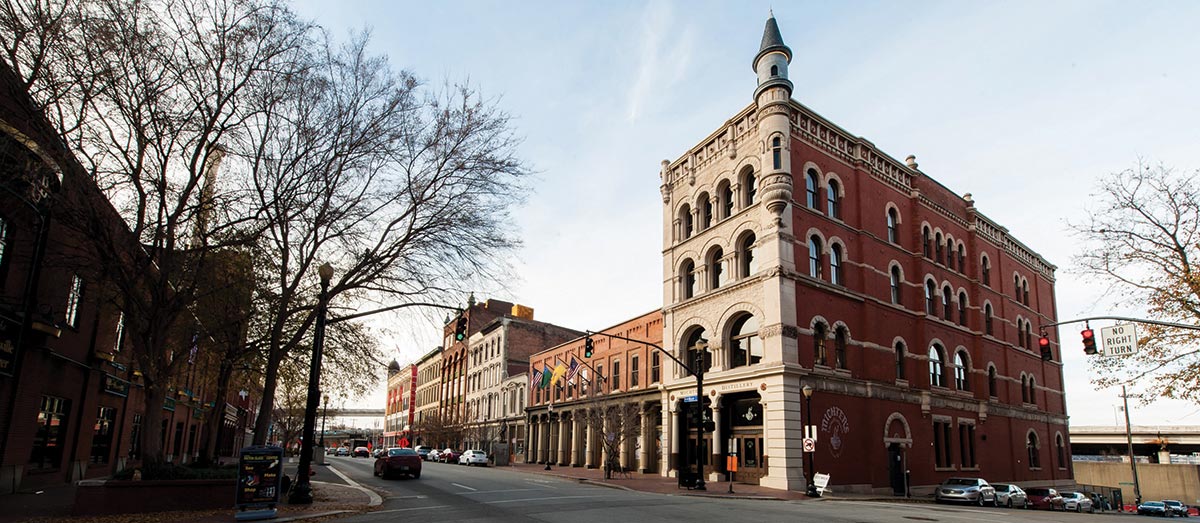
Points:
(404, 190)
(615, 419)
(1142, 240)
(143, 93)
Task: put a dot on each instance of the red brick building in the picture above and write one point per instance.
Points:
(400, 411)
(805, 256)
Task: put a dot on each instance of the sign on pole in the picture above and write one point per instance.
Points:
(1119, 340)
(810, 445)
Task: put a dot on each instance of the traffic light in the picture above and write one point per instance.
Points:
(460, 328)
(1089, 341)
(1044, 345)
(587, 347)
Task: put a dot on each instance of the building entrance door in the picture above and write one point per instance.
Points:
(750, 459)
(896, 468)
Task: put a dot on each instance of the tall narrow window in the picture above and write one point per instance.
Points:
(1035, 458)
(992, 381)
(985, 270)
(926, 246)
(616, 375)
(893, 220)
(692, 350)
(726, 201)
(749, 189)
(706, 211)
(814, 257)
(688, 276)
(1060, 451)
(835, 265)
(987, 319)
(937, 248)
(946, 305)
(1024, 388)
(1017, 288)
(1032, 391)
(102, 434)
(962, 259)
(900, 357)
(966, 444)
(950, 253)
(941, 444)
(745, 346)
(962, 308)
(776, 148)
(835, 204)
(810, 188)
(930, 307)
(50, 437)
(716, 271)
(685, 221)
(961, 381)
(775, 72)
(895, 283)
(936, 370)
(654, 367)
(839, 347)
(819, 345)
(1025, 290)
(119, 338)
(74, 298)
(746, 256)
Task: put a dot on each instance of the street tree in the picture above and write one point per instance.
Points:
(614, 421)
(405, 190)
(144, 93)
(1142, 240)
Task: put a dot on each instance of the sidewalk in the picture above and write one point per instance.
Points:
(332, 497)
(659, 484)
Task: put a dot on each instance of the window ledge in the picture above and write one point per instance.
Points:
(1035, 468)
(945, 469)
(901, 382)
(970, 469)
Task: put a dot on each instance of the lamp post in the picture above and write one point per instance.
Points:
(812, 488)
(549, 430)
(701, 347)
(324, 415)
(1137, 487)
(302, 491)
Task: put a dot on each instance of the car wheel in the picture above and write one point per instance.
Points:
(1009, 502)
(1079, 508)
(417, 475)
(979, 500)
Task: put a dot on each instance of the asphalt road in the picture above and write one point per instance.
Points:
(459, 493)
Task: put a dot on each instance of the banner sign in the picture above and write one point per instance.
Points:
(260, 471)
(115, 385)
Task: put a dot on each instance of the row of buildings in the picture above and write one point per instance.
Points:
(818, 282)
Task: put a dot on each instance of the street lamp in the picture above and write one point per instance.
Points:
(812, 487)
(549, 431)
(701, 347)
(324, 415)
(302, 491)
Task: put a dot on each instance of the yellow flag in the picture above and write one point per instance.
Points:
(559, 371)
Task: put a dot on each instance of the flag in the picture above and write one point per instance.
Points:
(546, 374)
(560, 370)
(571, 372)
(537, 378)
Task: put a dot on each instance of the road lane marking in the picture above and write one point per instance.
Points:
(375, 500)
(542, 482)
(410, 508)
(496, 491)
(535, 499)
(463, 486)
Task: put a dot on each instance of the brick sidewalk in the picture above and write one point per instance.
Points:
(659, 484)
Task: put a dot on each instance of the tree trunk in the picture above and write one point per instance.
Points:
(262, 425)
(152, 440)
(216, 419)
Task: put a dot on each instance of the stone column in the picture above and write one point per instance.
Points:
(576, 442)
(718, 462)
(564, 449)
(544, 451)
(590, 450)
(645, 440)
(671, 427)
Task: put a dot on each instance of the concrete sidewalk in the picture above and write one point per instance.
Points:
(659, 484)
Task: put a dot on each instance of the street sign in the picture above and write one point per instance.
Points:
(1119, 340)
(260, 471)
(810, 432)
(810, 445)
(821, 481)
(689, 399)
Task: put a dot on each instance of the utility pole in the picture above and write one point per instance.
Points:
(1137, 488)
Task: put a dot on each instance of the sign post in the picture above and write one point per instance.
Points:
(1119, 340)
(260, 473)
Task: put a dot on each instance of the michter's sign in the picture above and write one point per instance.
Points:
(8, 348)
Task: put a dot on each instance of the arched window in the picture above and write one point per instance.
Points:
(835, 265)
(814, 257)
(819, 357)
(1021, 334)
(687, 275)
(961, 370)
(776, 147)
(1028, 335)
(962, 259)
(1060, 450)
(962, 308)
(716, 273)
(810, 188)
(726, 192)
(947, 306)
(926, 246)
(1017, 288)
(895, 284)
(692, 340)
(1025, 290)
(893, 220)
(987, 319)
(705, 207)
(835, 204)
(986, 271)
(775, 72)
(992, 381)
(900, 374)
(1032, 391)
(937, 248)
(1035, 459)
(1024, 388)
(745, 347)
(936, 376)
(930, 307)
(839, 347)
(949, 253)
(746, 256)
(749, 189)
(685, 222)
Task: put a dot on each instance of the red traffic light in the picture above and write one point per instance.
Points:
(1089, 341)
(1044, 347)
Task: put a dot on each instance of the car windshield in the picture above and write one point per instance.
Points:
(1173, 503)
(1154, 504)
(1000, 487)
(1038, 492)
(402, 452)
(962, 481)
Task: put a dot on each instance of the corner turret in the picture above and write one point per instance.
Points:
(771, 62)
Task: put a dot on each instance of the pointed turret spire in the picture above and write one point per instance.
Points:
(772, 40)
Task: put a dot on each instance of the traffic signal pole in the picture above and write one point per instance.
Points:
(1123, 318)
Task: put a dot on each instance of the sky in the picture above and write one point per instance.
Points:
(1023, 104)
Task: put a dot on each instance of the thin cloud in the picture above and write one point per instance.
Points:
(664, 52)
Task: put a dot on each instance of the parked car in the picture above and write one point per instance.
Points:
(423, 451)
(1176, 508)
(362, 452)
(1077, 501)
(448, 456)
(1152, 508)
(965, 490)
(473, 457)
(434, 455)
(398, 460)
(1010, 495)
(1046, 498)
(378, 452)
(343, 451)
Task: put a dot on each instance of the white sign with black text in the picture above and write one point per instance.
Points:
(1119, 340)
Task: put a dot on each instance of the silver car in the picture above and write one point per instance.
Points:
(965, 490)
(1010, 496)
(1077, 501)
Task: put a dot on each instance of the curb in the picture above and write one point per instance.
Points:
(311, 516)
(375, 499)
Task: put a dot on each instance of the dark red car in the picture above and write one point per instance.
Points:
(1044, 498)
(449, 456)
(397, 460)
